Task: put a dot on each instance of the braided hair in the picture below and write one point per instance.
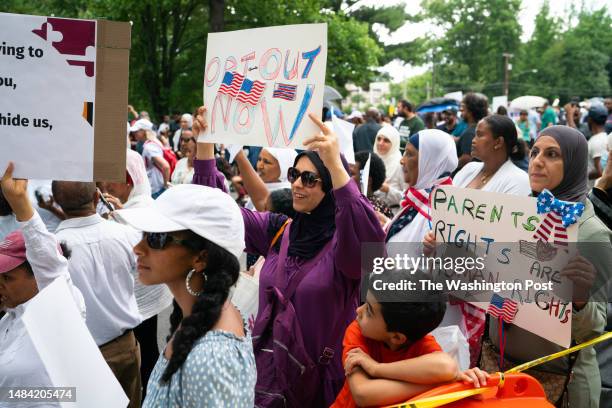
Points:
(222, 271)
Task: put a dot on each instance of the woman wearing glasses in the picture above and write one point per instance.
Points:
(323, 240)
(192, 239)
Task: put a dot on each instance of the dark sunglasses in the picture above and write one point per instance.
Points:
(309, 179)
(159, 240)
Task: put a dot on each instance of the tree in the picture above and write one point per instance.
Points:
(478, 32)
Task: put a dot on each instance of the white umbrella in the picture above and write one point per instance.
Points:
(527, 102)
(331, 94)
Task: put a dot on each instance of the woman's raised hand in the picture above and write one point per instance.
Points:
(199, 121)
(204, 150)
(326, 144)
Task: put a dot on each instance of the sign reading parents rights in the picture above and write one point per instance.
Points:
(259, 84)
(63, 97)
(525, 246)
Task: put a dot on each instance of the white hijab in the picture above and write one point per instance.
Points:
(285, 159)
(393, 156)
(140, 196)
(437, 155)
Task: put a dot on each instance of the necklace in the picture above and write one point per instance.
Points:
(484, 178)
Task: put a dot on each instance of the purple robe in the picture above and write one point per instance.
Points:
(329, 294)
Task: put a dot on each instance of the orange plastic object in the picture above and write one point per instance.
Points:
(518, 391)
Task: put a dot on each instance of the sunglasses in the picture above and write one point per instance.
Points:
(159, 240)
(309, 179)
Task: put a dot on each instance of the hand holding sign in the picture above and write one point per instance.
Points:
(582, 272)
(326, 144)
(16, 193)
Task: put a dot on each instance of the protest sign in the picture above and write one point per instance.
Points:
(260, 84)
(63, 97)
(518, 245)
(66, 348)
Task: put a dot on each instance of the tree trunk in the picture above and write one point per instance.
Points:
(217, 15)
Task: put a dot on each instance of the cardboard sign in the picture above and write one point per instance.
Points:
(63, 97)
(517, 245)
(260, 84)
(66, 348)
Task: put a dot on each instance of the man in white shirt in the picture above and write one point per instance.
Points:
(598, 143)
(101, 265)
(158, 169)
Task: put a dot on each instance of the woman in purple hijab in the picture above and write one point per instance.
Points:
(333, 220)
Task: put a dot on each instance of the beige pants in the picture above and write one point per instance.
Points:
(123, 357)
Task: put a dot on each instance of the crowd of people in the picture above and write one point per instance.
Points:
(175, 231)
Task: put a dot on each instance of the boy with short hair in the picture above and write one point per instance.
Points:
(388, 354)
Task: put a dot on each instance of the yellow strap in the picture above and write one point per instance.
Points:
(440, 400)
(541, 360)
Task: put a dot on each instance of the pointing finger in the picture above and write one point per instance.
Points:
(320, 124)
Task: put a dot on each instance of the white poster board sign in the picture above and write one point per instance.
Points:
(260, 84)
(499, 101)
(54, 97)
(517, 246)
(68, 351)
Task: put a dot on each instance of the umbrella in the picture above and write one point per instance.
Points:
(437, 105)
(331, 94)
(527, 102)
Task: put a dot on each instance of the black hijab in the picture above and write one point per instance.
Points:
(574, 150)
(310, 232)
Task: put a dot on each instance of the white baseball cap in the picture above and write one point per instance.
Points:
(208, 212)
(141, 124)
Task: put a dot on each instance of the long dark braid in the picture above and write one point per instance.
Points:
(222, 271)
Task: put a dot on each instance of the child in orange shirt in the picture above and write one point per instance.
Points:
(388, 354)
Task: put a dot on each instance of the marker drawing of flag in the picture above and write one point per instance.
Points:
(284, 91)
(231, 83)
(504, 308)
(251, 91)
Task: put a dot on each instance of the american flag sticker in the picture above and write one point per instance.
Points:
(232, 81)
(502, 307)
(251, 91)
(284, 91)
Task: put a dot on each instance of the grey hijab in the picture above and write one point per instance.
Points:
(574, 149)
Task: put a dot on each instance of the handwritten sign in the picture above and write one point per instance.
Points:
(63, 97)
(259, 84)
(520, 247)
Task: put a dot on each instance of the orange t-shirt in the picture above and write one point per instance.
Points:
(379, 352)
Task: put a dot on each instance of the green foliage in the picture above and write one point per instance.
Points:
(169, 41)
(562, 59)
(416, 89)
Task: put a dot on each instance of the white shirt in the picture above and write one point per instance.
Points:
(508, 179)
(182, 173)
(8, 224)
(397, 187)
(150, 150)
(598, 147)
(101, 266)
(20, 364)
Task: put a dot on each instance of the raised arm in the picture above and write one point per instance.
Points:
(41, 246)
(253, 184)
(206, 174)
(356, 220)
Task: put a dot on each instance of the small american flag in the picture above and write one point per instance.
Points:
(502, 307)
(231, 83)
(251, 91)
(284, 91)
